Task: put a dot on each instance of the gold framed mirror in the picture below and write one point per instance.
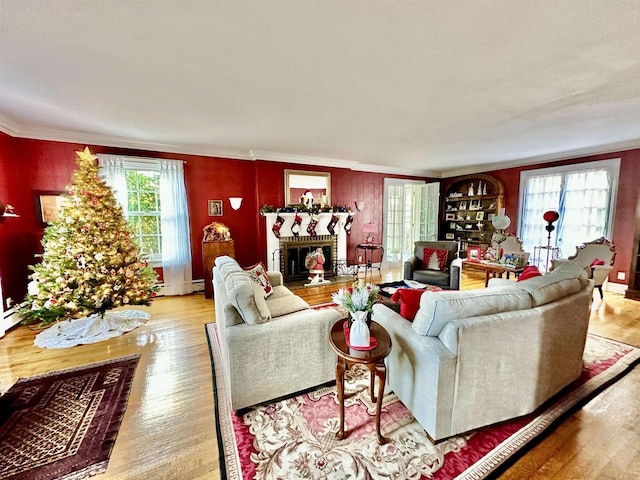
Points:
(307, 188)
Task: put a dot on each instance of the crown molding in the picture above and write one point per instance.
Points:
(8, 126)
(612, 148)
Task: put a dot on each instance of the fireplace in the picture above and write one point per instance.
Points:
(294, 250)
(276, 252)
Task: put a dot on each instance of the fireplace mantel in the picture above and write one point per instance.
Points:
(273, 242)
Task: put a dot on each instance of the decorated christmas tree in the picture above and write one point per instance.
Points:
(91, 262)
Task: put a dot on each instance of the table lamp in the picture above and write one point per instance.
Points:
(370, 229)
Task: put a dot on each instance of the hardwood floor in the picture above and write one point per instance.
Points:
(168, 431)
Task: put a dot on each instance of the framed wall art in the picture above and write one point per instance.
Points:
(215, 208)
(49, 205)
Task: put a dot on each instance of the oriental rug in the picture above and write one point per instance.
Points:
(294, 437)
(62, 425)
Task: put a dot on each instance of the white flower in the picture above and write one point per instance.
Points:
(98, 256)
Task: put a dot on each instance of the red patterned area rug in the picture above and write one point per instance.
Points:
(62, 425)
(294, 438)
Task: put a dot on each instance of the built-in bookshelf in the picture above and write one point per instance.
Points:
(469, 204)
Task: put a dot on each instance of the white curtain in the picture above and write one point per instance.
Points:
(112, 171)
(174, 215)
(176, 243)
(583, 195)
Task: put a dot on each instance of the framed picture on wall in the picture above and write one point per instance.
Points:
(449, 236)
(215, 208)
(450, 216)
(49, 205)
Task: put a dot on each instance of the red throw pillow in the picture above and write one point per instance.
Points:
(596, 262)
(435, 259)
(529, 272)
(409, 299)
(259, 275)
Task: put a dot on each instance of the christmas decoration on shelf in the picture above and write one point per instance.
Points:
(347, 224)
(332, 224)
(311, 228)
(91, 262)
(295, 228)
(277, 226)
(314, 209)
(216, 232)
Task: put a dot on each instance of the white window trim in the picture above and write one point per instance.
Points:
(613, 165)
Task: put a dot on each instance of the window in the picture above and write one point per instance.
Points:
(584, 196)
(143, 210)
(153, 195)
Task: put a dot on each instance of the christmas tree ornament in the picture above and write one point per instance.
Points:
(347, 224)
(311, 228)
(277, 226)
(332, 224)
(295, 228)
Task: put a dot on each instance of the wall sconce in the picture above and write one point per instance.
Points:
(360, 205)
(235, 202)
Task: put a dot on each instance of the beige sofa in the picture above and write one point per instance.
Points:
(476, 357)
(271, 347)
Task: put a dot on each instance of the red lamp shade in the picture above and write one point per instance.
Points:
(551, 216)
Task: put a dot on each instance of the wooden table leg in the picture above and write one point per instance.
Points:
(372, 381)
(381, 373)
(486, 278)
(340, 369)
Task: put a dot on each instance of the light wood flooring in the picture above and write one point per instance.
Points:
(168, 431)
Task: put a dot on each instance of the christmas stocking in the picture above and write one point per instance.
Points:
(347, 224)
(295, 228)
(276, 226)
(311, 228)
(332, 224)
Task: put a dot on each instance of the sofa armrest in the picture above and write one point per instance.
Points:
(455, 274)
(599, 273)
(275, 278)
(411, 265)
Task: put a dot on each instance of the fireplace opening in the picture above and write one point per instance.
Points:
(294, 250)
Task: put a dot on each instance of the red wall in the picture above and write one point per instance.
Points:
(38, 165)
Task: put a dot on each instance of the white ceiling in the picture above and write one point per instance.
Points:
(420, 87)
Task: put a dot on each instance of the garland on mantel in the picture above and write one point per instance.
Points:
(314, 210)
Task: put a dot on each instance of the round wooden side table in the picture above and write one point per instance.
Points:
(372, 359)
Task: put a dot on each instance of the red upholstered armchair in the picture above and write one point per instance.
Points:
(446, 275)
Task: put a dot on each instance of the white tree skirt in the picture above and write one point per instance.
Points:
(91, 329)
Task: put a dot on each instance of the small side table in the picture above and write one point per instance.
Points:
(368, 263)
(372, 359)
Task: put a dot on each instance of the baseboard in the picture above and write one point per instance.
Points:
(198, 286)
(620, 288)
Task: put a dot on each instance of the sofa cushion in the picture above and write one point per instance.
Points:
(240, 292)
(548, 288)
(258, 274)
(435, 259)
(529, 272)
(409, 299)
(284, 305)
(261, 302)
(438, 308)
(432, 277)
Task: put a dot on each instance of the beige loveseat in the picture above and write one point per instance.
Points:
(476, 357)
(270, 347)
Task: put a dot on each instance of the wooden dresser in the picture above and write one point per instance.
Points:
(211, 251)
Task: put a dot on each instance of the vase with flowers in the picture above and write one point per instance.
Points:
(358, 300)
